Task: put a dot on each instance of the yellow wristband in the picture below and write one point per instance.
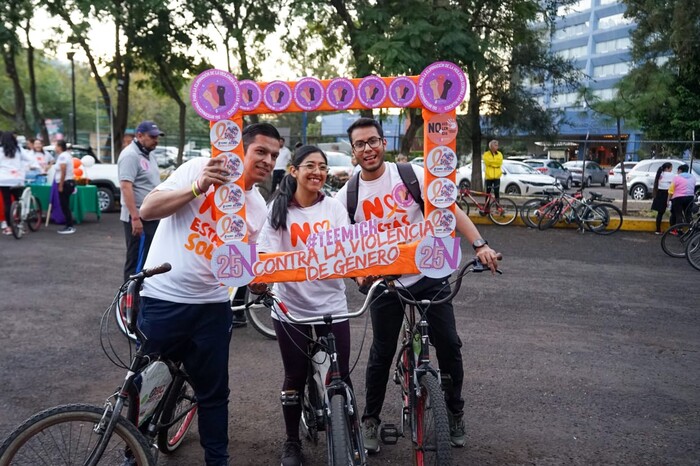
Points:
(194, 190)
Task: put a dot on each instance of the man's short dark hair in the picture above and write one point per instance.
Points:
(684, 168)
(265, 129)
(62, 144)
(364, 123)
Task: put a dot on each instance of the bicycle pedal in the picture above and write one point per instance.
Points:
(389, 434)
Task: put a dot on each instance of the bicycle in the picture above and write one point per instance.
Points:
(602, 218)
(25, 211)
(328, 402)
(531, 211)
(156, 394)
(676, 239)
(424, 412)
(501, 211)
(257, 312)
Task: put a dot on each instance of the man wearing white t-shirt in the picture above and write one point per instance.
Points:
(378, 186)
(280, 165)
(66, 184)
(185, 313)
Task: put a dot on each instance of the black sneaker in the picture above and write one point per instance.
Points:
(239, 320)
(291, 453)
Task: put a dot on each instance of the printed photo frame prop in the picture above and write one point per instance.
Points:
(438, 91)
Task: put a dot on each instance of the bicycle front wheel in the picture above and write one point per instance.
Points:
(462, 203)
(692, 251)
(34, 214)
(432, 425)
(503, 212)
(179, 411)
(549, 216)
(66, 435)
(530, 211)
(15, 220)
(342, 450)
(260, 317)
(674, 239)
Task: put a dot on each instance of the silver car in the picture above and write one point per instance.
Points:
(552, 168)
(594, 173)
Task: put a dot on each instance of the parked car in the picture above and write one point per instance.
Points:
(340, 165)
(552, 168)
(417, 161)
(166, 156)
(517, 179)
(640, 180)
(615, 173)
(594, 173)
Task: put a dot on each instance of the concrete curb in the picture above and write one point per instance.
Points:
(628, 223)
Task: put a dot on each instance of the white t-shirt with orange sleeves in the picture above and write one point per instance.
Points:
(316, 297)
(388, 200)
(187, 238)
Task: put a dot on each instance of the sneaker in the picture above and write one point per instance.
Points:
(457, 437)
(291, 453)
(239, 320)
(7, 231)
(66, 231)
(370, 429)
(657, 232)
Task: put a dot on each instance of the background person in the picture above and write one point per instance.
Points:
(378, 183)
(185, 313)
(13, 161)
(43, 158)
(65, 180)
(662, 182)
(493, 160)
(299, 203)
(138, 175)
(280, 165)
(682, 192)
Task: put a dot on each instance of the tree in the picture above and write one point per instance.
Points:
(12, 14)
(667, 76)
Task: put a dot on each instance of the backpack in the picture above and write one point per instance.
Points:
(408, 176)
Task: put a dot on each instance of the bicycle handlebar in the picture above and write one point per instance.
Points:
(146, 273)
(327, 318)
(132, 305)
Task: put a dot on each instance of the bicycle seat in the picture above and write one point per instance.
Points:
(595, 195)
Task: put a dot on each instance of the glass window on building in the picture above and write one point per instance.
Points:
(608, 2)
(613, 69)
(623, 43)
(605, 94)
(574, 52)
(569, 99)
(613, 21)
(578, 7)
(572, 31)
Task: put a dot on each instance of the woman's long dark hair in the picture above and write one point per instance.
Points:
(288, 186)
(9, 145)
(661, 169)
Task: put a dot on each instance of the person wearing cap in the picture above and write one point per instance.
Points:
(185, 313)
(138, 175)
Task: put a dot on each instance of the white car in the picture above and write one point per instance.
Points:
(340, 165)
(615, 174)
(640, 180)
(517, 179)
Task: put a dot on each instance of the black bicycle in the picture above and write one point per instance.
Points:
(154, 406)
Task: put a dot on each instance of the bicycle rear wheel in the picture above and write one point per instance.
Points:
(15, 220)
(462, 203)
(180, 409)
(503, 212)
(65, 435)
(432, 426)
(674, 239)
(260, 317)
(34, 214)
(530, 211)
(692, 251)
(606, 219)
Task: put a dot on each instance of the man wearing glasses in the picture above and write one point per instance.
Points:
(138, 175)
(383, 196)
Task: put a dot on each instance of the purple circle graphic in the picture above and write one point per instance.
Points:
(277, 96)
(341, 93)
(402, 91)
(251, 95)
(372, 91)
(215, 95)
(308, 94)
(442, 87)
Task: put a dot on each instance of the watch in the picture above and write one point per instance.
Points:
(479, 243)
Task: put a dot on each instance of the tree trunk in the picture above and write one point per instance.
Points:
(416, 122)
(38, 118)
(20, 114)
(475, 124)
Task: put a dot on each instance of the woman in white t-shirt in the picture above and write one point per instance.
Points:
(299, 208)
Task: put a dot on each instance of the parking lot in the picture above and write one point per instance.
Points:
(585, 351)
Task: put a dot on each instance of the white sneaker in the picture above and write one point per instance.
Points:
(66, 231)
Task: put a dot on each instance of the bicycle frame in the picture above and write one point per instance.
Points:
(488, 198)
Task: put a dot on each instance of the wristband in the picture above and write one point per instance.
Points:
(194, 190)
(199, 188)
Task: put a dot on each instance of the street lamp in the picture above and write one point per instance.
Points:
(72, 81)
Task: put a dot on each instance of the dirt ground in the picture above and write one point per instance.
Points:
(585, 352)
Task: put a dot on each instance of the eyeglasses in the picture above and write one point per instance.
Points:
(372, 142)
(312, 167)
